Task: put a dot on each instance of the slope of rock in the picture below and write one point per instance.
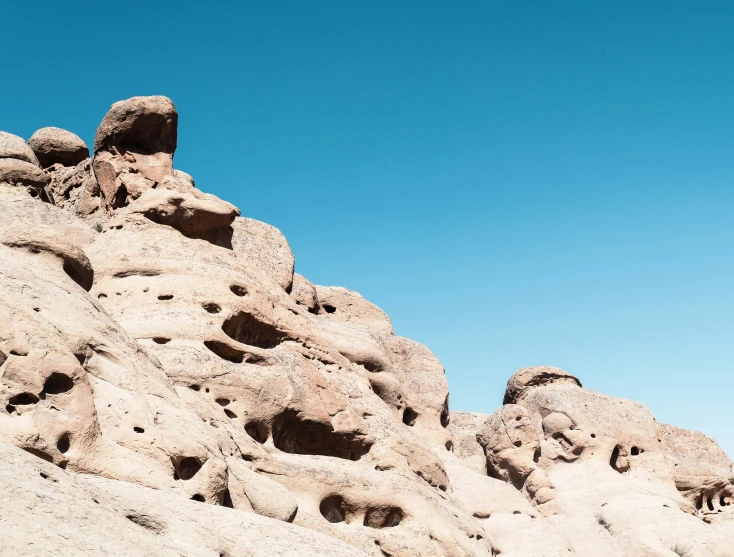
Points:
(162, 365)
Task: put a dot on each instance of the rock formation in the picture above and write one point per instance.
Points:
(170, 386)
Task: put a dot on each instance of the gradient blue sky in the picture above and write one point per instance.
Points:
(515, 183)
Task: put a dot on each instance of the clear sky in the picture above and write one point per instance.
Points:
(514, 183)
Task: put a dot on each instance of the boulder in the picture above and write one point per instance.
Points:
(14, 147)
(147, 123)
(526, 379)
(57, 146)
(17, 172)
(266, 247)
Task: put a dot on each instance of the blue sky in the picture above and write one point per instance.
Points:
(515, 183)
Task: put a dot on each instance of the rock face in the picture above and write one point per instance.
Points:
(176, 389)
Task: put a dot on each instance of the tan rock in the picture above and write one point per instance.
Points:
(14, 147)
(530, 377)
(266, 247)
(57, 146)
(170, 379)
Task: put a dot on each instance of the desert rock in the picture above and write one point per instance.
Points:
(170, 386)
(57, 146)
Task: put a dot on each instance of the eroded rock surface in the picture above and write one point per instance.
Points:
(178, 390)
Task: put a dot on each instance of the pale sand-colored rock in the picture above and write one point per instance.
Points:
(14, 147)
(198, 397)
(265, 247)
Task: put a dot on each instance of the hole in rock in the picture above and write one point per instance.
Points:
(187, 467)
(332, 509)
(247, 329)
(81, 275)
(63, 443)
(231, 415)
(593, 435)
(198, 497)
(120, 198)
(409, 416)
(165, 297)
(225, 351)
(138, 429)
(227, 499)
(709, 504)
(634, 451)
(238, 290)
(146, 522)
(445, 416)
(23, 399)
(293, 434)
(518, 443)
(211, 307)
(449, 446)
(328, 308)
(383, 517)
(194, 387)
(9, 409)
(39, 454)
(16, 352)
(222, 401)
(58, 383)
(258, 431)
(161, 340)
(614, 460)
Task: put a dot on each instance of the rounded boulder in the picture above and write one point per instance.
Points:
(54, 145)
(14, 147)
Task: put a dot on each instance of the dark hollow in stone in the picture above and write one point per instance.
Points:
(247, 329)
(188, 467)
(40, 454)
(225, 351)
(409, 416)
(63, 444)
(258, 431)
(58, 383)
(293, 434)
(383, 517)
(333, 509)
(238, 290)
(23, 399)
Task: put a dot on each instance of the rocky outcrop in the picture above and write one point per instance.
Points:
(176, 388)
(57, 146)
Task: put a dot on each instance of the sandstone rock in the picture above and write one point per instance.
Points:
(178, 390)
(47, 511)
(146, 122)
(341, 304)
(304, 293)
(530, 377)
(57, 146)
(266, 247)
(16, 172)
(14, 147)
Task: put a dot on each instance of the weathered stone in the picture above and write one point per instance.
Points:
(14, 147)
(170, 378)
(57, 146)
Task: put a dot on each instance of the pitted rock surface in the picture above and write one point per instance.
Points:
(170, 386)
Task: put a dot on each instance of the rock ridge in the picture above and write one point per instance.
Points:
(170, 385)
